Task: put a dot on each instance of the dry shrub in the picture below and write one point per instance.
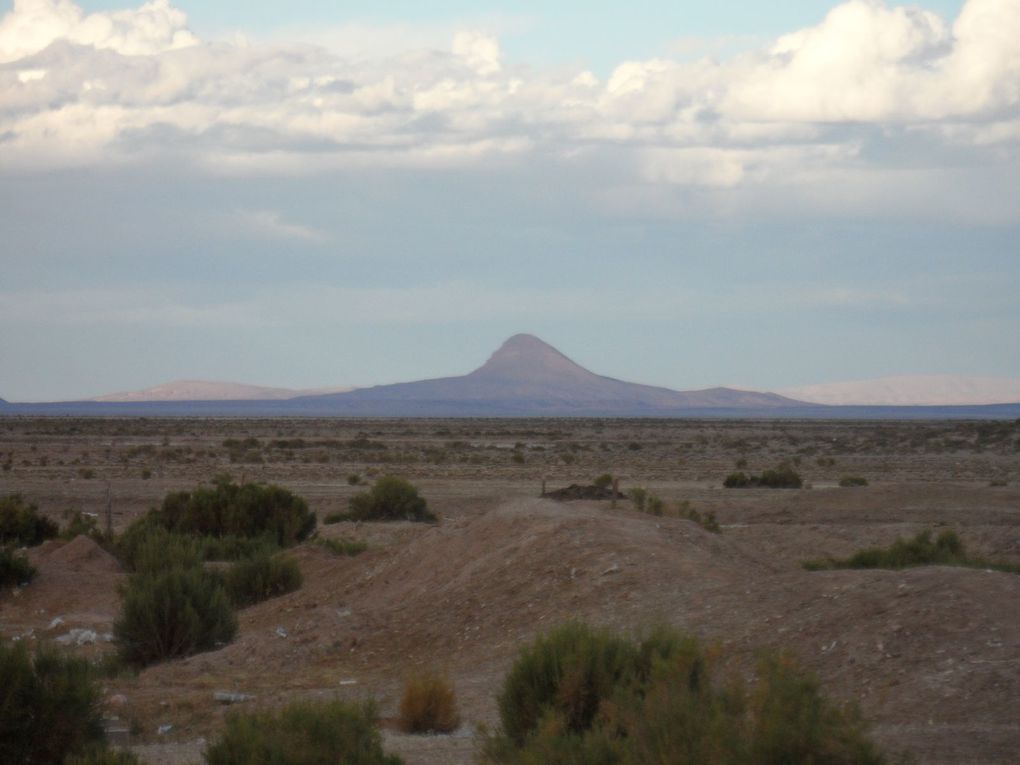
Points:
(428, 704)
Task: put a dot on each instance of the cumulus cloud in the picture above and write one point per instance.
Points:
(129, 86)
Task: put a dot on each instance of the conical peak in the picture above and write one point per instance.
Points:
(526, 356)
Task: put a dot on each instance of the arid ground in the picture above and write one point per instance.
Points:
(931, 655)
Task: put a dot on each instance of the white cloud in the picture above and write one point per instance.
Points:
(34, 24)
(132, 85)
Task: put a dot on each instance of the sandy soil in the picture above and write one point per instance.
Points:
(932, 655)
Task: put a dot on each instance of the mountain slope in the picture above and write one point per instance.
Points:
(205, 390)
(912, 390)
(528, 376)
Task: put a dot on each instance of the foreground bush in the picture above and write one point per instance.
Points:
(260, 578)
(586, 697)
(303, 733)
(390, 499)
(171, 613)
(428, 705)
(49, 706)
(21, 525)
(14, 567)
(946, 550)
(102, 756)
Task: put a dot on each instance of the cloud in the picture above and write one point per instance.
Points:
(815, 107)
(271, 224)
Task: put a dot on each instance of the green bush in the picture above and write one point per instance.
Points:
(248, 511)
(582, 697)
(14, 567)
(782, 477)
(604, 481)
(49, 706)
(567, 674)
(390, 499)
(849, 481)
(946, 550)
(171, 613)
(303, 733)
(79, 523)
(21, 525)
(260, 578)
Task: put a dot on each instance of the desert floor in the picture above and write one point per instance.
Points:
(931, 655)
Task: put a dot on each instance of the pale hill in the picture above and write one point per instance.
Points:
(207, 390)
(912, 390)
(528, 376)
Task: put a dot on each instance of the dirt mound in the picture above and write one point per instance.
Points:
(80, 554)
(577, 491)
(929, 653)
(76, 581)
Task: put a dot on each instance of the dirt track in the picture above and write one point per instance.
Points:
(932, 655)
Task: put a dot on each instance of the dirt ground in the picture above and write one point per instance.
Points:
(932, 655)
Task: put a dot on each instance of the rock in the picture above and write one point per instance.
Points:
(231, 697)
(162, 730)
(281, 632)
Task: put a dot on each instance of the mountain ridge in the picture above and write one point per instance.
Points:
(526, 375)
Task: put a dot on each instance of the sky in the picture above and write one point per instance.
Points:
(307, 194)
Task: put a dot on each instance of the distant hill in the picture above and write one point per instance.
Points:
(527, 376)
(916, 390)
(205, 390)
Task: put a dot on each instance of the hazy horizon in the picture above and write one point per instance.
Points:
(686, 196)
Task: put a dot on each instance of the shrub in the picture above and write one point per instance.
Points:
(782, 477)
(240, 510)
(173, 612)
(14, 567)
(849, 481)
(655, 504)
(21, 525)
(947, 550)
(662, 702)
(302, 733)
(347, 547)
(639, 497)
(99, 755)
(49, 706)
(566, 674)
(260, 578)
(604, 481)
(353, 479)
(335, 518)
(739, 480)
(428, 705)
(390, 499)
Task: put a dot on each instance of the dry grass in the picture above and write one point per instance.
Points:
(428, 705)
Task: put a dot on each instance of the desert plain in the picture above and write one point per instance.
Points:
(931, 654)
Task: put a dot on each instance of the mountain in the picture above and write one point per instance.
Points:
(916, 390)
(204, 390)
(527, 376)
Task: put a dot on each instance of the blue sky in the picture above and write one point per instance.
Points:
(310, 194)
